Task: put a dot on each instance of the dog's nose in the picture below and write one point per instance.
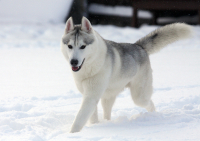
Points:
(74, 62)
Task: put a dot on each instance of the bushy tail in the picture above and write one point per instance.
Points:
(163, 36)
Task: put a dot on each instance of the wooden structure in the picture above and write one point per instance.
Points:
(112, 2)
(153, 5)
(110, 19)
(163, 5)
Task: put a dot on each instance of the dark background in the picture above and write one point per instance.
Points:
(80, 8)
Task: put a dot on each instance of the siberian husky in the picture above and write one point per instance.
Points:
(103, 68)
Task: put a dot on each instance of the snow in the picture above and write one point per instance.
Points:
(34, 11)
(39, 99)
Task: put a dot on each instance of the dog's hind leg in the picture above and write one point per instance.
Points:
(141, 90)
(94, 117)
(107, 104)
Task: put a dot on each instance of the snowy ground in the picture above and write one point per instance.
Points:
(38, 98)
(34, 11)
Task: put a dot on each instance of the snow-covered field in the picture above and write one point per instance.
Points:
(39, 100)
(34, 11)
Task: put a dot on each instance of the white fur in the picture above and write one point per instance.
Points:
(96, 80)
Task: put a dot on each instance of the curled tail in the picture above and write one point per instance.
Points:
(163, 36)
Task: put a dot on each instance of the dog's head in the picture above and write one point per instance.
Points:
(76, 42)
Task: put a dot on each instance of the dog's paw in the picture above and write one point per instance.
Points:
(151, 107)
(72, 131)
(94, 121)
(75, 129)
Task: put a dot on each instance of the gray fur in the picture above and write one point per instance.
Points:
(110, 52)
(163, 36)
(128, 54)
(153, 42)
(76, 35)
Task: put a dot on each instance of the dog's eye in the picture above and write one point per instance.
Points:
(70, 47)
(83, 46)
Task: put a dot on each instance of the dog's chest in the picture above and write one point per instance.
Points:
(79, 84)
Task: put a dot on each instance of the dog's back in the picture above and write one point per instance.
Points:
(130, 56)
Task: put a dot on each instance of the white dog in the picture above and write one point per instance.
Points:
(103, 68)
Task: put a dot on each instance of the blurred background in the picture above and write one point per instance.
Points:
(136, 12)
(116, 12)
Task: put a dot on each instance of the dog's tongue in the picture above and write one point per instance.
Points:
(74, 68)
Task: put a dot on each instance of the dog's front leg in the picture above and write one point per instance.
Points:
(88, 107)
(93, 90)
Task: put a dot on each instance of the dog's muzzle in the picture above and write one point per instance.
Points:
(74, 65)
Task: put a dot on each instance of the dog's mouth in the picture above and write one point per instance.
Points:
(75, 69)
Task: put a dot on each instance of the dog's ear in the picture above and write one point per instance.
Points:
(86, 25)
(69, 25)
